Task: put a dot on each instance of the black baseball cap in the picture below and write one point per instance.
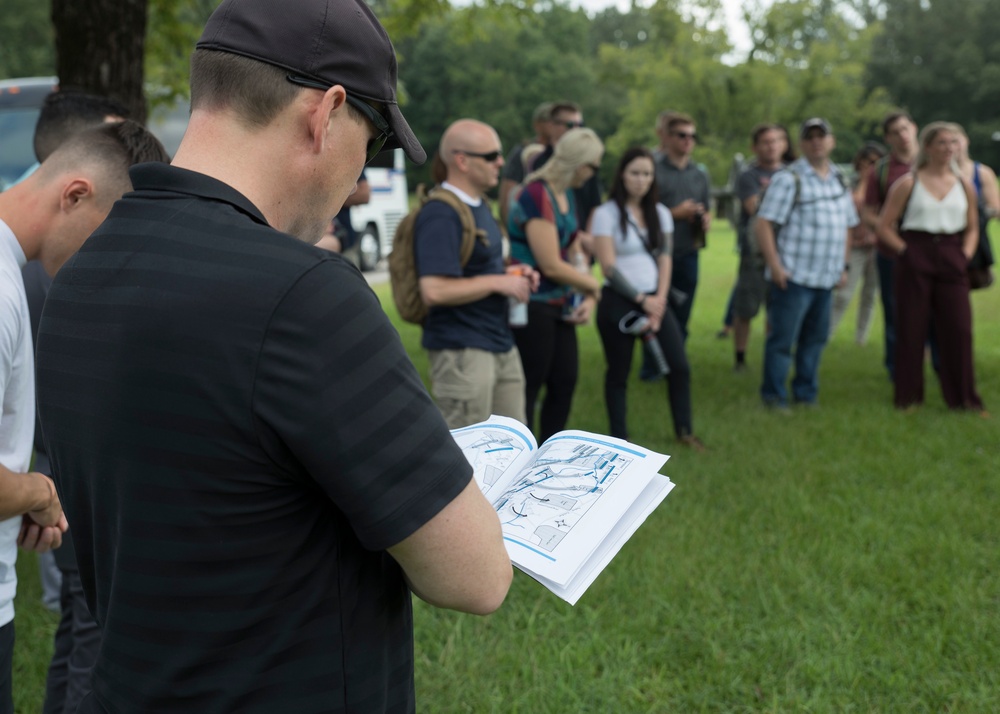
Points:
(815, 123)
(328, 41)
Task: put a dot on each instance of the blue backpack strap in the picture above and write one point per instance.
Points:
(977, 181)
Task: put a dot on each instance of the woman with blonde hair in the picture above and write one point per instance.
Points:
(937, 233)
(544, 234)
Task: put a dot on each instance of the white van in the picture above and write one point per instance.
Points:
(376, 220)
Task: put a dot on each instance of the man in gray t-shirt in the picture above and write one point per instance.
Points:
(686, 191)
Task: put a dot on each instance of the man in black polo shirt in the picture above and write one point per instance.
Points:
(253, 469)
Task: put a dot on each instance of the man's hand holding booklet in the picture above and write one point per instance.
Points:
(567, 506)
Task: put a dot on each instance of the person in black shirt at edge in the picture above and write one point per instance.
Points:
(255, 474)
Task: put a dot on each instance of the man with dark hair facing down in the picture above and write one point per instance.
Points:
(240, 440)
(46, 217)
(64, 114)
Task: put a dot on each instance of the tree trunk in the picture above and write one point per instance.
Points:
(99, 48)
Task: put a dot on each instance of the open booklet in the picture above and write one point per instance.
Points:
(567, 506)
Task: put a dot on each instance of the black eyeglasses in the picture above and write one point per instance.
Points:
(685, 135)
(489, 156)
(568, 124)
(376, 143)
(596, 168)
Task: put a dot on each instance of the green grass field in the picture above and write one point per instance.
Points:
(846, 559)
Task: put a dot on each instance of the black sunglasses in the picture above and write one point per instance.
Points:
(569, 124)
(376, 143)
(685, 135)
(489, 156)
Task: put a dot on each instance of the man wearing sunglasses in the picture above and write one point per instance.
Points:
(475, 366)
(256, 476)
(566, 116)
(685, 190)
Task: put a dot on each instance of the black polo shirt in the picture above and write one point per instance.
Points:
(236, 434)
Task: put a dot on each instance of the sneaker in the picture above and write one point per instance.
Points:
(692, 442)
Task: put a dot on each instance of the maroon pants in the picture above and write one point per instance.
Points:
(932, 285)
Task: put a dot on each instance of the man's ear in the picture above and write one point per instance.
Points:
(333, 100)
(74, 193)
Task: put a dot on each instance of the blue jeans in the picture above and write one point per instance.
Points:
(885, 282)
(799, 318)
(685, 279)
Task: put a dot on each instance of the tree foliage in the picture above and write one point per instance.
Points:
(26, 48)
(847, 60)
(941, 60)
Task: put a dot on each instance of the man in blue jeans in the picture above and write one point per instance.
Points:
(806, 256)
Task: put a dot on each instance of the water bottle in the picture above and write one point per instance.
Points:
(575, 298)
(517, 313)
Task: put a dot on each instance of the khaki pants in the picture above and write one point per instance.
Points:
(471, 384)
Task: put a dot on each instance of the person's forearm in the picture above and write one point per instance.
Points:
(442, 291)
(665, 264)
(765, 240)
(457, 559)
(561, 272)
(22, 493)
(890, 239)
(869, 216)
(970, 242)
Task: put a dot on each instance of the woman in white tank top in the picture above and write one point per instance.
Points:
(935, 209)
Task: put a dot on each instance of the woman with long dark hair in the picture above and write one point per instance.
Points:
(632, 241)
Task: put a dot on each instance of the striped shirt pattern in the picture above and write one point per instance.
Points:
(812, 229)
(237, 435)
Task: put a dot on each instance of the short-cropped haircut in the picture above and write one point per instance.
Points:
(68, 111)
(111, 149)
(892, 117)
(761, 129)
(255, 91)
(678, 119)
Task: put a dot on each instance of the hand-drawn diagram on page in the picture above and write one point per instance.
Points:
(567, 479)
(490, 450)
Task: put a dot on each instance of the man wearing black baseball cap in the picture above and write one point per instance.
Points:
(253, 469)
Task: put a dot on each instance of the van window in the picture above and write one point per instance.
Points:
(376, 220)
(17, 154)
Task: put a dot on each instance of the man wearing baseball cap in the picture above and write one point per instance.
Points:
(802, 229)
(254, 472)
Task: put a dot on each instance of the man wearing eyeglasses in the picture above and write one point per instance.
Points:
(686, 191)
(475, 366)
(256, 476)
